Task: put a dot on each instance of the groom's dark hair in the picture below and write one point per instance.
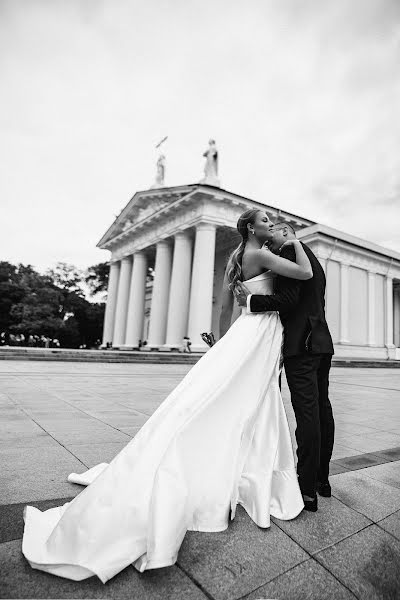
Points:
(282, 224)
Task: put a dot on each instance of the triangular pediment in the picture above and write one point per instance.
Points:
(141, 206)
(148, 203)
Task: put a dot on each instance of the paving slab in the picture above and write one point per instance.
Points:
(93, 410)
(93, 454)
(11, 516)
(333, 522)
(340, 451)
(392, 524)
(46, 483)
(371, 498)
(375, 441)
(19, 580)
(361, 461)
(96, 437)
(387, 473)
(307, 581)
(368, 563)
(390, 453)
(38, 439)
(336, 468)
(15, 460)
(234, 562)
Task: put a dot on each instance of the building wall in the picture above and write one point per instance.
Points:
(353, 319)
(396, 315)
(379, 310)
(332, 296)
(358, 306)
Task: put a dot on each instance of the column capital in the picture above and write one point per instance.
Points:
(126, 258)
(206, 226)
(163, 244)
(182, 234)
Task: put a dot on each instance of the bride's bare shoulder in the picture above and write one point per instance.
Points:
(251, 263)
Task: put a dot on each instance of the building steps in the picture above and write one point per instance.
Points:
(147, 357)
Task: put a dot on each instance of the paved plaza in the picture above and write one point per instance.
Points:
(58, 418)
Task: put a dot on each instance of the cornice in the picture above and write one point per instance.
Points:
(338, 250)
(168, 200)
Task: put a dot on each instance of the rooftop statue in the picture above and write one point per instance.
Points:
(160, 168)
(211, 165)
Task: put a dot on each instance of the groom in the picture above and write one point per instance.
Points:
(307, 354)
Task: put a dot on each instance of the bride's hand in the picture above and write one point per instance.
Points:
(290, 243)
(265, 247)
(241, 292)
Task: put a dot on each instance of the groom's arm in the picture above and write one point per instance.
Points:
(285, 298)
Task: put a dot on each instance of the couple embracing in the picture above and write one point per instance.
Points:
(221, 437)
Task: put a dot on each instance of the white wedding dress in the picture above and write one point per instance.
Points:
(221, 438)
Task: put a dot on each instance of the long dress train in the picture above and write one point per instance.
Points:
(220, 438)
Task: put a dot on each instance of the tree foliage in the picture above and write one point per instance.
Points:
(96, 278)
(51, 305)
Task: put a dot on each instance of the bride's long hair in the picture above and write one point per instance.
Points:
(234, 266)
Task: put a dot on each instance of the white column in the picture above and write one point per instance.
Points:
(389, 312)
(178, 305)
(371, 309)
(159, 300)
(323, 262)
(200, 311)
(109, 315)
(122, 302)
(344, 304)
(134, 325)
(396, 318)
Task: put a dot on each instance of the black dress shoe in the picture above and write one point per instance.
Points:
(324, 489)
(311, 505)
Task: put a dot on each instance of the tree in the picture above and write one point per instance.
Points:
(39, 309)
(52, 305)
(96, 278)
(11, 292)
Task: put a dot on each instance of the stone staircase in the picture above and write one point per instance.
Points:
(154, 357)
(109, 356)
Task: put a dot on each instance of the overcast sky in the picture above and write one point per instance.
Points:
(302, 97)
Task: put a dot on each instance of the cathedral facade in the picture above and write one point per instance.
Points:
(169, 248)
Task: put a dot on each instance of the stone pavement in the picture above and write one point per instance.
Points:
(62, 417)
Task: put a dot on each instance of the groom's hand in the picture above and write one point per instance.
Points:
(241, 292)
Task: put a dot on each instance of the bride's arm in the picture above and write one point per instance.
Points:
(227, 306)
(301, 269)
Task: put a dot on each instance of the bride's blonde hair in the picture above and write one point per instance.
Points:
(234, 266)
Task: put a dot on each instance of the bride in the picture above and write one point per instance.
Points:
(219, 439)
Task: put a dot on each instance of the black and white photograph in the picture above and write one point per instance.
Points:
(200, 299)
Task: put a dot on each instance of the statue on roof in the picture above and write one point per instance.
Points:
(160, 168)
(211, 165)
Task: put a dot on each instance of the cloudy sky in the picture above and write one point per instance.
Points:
(303, 98)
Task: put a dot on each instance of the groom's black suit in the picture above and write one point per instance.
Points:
(307, 353)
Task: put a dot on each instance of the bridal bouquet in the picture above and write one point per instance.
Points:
(208, 338)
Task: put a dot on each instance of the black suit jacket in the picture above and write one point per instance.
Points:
(301, 305)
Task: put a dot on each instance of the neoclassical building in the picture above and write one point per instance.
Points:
(185, 234)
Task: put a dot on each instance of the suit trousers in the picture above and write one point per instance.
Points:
(308, 380)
